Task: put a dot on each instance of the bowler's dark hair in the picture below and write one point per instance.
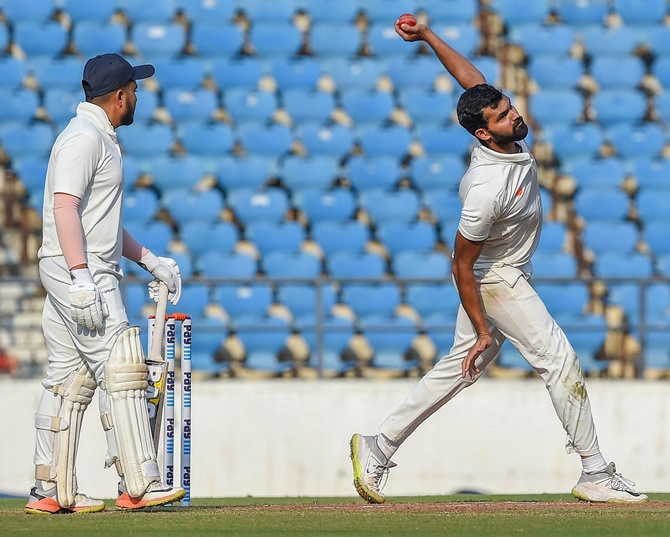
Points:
(471, 105)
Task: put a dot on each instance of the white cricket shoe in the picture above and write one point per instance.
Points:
(157, 493)
(43, 502)
(371, 468)
(607, 486)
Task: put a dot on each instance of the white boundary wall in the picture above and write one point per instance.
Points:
(290, 438)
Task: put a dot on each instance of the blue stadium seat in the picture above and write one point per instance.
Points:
(207, 140)
(250, 171)
(270, 39)
(249, 105)
(231, 72)
(340, 235)
(57, 73)
(436, 303)
(61, 105)
(384, 140)
(384, 205)
(660, 69)
(244, 303)
(663, 265)
(556, 106)
(146, 140)
(449, 10)
(84, 10)
(187, 73)
(324, 139)
(301, 72)
(140, 205)
(252, 205)
(264, 345)
(366, 172)
(553, 265)
(617, 265)
(364, 106)
(658, 40)
(363, 72)
(208, 339)
(308, 105)
(578, 13)
(156, 40)
(273, 139)
(635, 141)
(628, 296)
(463, 37)
(91, 38)
(598, 204)
(53, 38)
(384, 42)
(355, 265)
(391, 342)
(147, 105)
(608, 172)
(553, 237)
(412, 264)
(640, 12)
(27, 139)
(136, 300)
(32, 171)
(605, 236)
(427, 105)
(566, 302)
(439, 139)
(418, 73)
(366, 299)
(13, 70)
(200, 236)
(510, 358)
(185, 205)
(153, 11)
(282, 264)
(330, 11)
(17, 11)
(299, 173)
(302, 301)
(190, 105)
(656, 354)
(334, 341)
(269, 236)
(587, 344)
(268, 11)
(222, 264)
(656, 236)
(334, 39)
(550, 71)
(657, 304)
(379, 11)
(651, 173)
(574, 140)
(518, 12)
(198, 11)
(437, 171)
(606, 41)
(214, 39)
(540, 39)
(170, 172)
(332, 204)
(617, 71)
(654, 205)
(619, 106)
(155, 236)
(400, 236)
(445, 204)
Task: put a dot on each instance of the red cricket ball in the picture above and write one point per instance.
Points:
(408, 19)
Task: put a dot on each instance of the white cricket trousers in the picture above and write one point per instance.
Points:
(514, 311)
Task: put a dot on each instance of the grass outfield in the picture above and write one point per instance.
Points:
(462, 515)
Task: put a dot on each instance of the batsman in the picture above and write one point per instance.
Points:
(88, 338)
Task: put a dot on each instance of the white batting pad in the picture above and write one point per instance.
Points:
(126, 384)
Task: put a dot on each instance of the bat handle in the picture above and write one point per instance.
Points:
(156, 353)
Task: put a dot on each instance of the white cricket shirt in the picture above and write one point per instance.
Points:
(86, 162)
(502, 206)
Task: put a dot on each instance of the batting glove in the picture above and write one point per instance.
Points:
(86, 304)
(166, 270)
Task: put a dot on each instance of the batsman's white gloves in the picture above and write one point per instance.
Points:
(163, 269)
(86, 304)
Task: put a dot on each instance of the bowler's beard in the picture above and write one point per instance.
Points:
(519, 133)
(128, 117)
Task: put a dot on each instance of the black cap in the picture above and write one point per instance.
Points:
(109, 72)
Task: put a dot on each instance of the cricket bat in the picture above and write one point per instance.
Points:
(157, 367)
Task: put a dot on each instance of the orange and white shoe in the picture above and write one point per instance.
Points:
(156, 494)
(41, 502)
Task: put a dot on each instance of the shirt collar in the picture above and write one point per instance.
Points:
(490, 154)
(98, 116)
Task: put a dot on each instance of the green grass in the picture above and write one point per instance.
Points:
(461, 515)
